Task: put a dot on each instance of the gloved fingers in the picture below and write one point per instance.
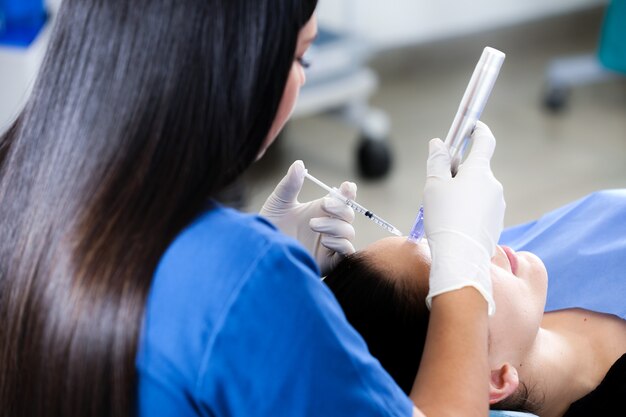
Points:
(348, 190)
(331, 263)
(332, 227)
(337, 244)
(337, 208)
(289, 187)
(483, 147)
(438, 164)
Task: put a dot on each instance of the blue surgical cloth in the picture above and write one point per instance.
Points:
(583, 246)
(238, 323)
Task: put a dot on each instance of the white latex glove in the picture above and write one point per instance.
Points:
(323, 226)
(463, 217)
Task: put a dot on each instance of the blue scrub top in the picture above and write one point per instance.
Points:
(238, 323)
(583, 246)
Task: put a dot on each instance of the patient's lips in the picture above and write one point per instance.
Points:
(512, 257)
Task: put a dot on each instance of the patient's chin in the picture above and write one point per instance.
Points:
(536, 272)
(535, 263)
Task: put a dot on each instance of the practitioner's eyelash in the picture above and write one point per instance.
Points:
(303, 62)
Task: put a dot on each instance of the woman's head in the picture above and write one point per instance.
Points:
(295, 81)
(402, 268)
(142, 110)
(199, 80)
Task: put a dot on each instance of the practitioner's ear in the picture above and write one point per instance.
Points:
(504, 381)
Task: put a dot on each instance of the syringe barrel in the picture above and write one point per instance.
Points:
(473, 102)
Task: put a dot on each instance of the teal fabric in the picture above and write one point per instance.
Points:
(510, 414)
(612, 51)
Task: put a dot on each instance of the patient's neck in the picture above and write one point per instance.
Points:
(571, 357)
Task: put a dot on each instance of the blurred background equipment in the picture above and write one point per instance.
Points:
(20, 21)
(422, 54)
(613, 41)
(408, 65)
(604, 64)
(340, 84)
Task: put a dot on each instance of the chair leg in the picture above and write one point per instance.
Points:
(568, 72)
(373, 154)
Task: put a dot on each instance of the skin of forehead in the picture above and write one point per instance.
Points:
(397, 258)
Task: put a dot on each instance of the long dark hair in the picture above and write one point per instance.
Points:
(141, 112)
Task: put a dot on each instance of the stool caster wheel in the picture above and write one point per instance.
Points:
(555, 99)
(374, 158)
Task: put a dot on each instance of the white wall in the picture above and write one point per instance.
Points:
(389, 23)
(386, 23)
(18, 70)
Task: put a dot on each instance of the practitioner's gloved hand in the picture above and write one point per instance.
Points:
(463, 217)
(323, 226)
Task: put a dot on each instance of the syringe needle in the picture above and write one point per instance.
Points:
(356, 206)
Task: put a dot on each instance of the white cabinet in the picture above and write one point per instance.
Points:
(385, 23)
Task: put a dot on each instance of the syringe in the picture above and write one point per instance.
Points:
(356, 206)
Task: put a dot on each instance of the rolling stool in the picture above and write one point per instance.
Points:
(607, 64)
(339, 84)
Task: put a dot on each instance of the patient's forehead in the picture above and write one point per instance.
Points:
(399, 257)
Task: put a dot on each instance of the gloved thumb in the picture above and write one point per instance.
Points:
(438, 164)
(484, 144)
(289, 187)
(348, 190)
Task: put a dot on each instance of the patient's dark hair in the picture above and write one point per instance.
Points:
(391, 316)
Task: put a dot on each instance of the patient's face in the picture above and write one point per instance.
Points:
(519, 288)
